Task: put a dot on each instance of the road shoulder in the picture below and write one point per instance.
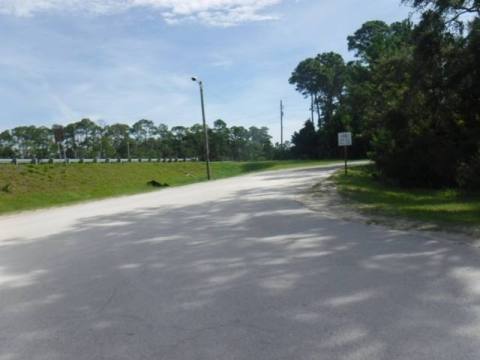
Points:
(324, 199)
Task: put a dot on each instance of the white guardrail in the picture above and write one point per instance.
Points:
(92, 161)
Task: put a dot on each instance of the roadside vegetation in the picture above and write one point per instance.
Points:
(37, 186)
(411, 96)
(375, 197)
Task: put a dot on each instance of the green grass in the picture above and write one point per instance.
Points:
(37, 186)
(448, 207)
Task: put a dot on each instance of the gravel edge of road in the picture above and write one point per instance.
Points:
(324, 199)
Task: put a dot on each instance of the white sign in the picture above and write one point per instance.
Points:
(345, 139)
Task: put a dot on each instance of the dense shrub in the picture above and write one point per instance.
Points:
(468, 174)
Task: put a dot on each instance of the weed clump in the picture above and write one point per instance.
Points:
(6, 188)
(156, 184)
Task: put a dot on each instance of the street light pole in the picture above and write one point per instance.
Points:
(205, 130)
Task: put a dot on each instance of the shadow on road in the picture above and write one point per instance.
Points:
(254, 276)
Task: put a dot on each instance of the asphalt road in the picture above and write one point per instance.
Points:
(233, 269)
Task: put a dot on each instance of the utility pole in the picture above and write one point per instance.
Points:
(205, 130)
(281, 124)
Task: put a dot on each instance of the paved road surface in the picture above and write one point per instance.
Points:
(234, 269)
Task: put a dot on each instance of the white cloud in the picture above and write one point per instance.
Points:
(211, 12)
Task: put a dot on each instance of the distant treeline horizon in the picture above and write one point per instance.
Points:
(143, 139)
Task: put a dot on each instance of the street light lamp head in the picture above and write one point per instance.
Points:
(194, 79)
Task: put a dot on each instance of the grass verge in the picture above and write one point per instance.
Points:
(441, 207)
(28, 187)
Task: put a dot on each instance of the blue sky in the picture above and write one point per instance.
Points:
(123, 60)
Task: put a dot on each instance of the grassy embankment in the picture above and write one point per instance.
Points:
(441, 207)
(38, 186)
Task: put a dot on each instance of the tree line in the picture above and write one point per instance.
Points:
(144, 139)
(411, 97)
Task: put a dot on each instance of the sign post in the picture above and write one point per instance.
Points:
(345, 140)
